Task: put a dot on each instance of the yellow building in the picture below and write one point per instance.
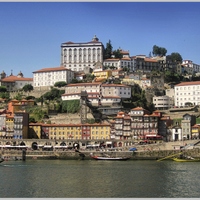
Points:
(69, 131)
(35, 130)
(102, 75)
(195, 131)
(100, 131)
(62, 131)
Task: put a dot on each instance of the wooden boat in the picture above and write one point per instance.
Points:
(186, 159)
(110, 158)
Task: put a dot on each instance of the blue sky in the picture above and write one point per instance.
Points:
(31, 33)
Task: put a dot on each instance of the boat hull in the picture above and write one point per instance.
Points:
(110, 158)
(185, 160)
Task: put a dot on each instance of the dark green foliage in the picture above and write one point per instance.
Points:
(71, 106)
(117, 54)
(89, 78)
(159, 51)
(32, 120)
(3, 89)
(30, 98)
(5, 95)
(116, 81)
(27, 88)
(75, 81)
(195, 78)
(60, 84)
(138, 98)
(52, 95)
(176, 58)
(108, 50)
(198, 120)
(171, 77)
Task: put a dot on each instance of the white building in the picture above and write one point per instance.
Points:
(47, 77)
(98, 93)
(163, 102)
(189, 64)
(116, 63)
(81, 56)
(187, 92)
(176, 133)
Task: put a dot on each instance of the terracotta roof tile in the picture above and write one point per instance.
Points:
(61, 68)
(188, 83)
(15, 78)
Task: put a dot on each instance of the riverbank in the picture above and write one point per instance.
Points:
(86, 155)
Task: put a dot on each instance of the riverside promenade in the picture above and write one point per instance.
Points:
(144, 152)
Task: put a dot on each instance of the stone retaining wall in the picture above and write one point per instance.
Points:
(72, 155)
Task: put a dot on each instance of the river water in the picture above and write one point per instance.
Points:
(99, 179)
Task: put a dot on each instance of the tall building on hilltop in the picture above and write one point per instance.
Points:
(81, 56)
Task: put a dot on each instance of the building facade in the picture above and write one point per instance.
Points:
(81, 56)
(162, 102)
(14, 83)
(47, 77)
(70, 131)
(98, 93)
(187, 92)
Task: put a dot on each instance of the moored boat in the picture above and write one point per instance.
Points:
(109, 158)
(186, 159)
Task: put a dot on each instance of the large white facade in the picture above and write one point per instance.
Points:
(49, 76)
(187, 92)
(98, 93)
(81, 56)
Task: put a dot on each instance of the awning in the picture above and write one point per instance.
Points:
(47, 146)
(108, 142)
(133, 149)
(150, 135)
(157, 136)
(60, 147)
(20, 146)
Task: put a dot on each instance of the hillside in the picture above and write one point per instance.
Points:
(68, 118)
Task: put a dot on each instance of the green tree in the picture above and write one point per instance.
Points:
(18, 97)
(60, 84)
(176, 58)
(30, 97)
(75, 81)
(117, 54)
(108, 50)
(5, 95)
(159, 51)
(3, 89)
(88, 78)
(27, 88)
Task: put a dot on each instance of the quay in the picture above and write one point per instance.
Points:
(143, 152)
(72, 155)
